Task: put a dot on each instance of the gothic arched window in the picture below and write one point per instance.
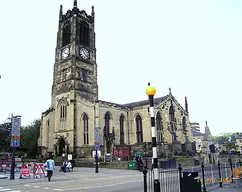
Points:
(184, 125)
(84, 34)
(107, 118)
(159, 126)
(66, 34)
(121, 121)
(86, 129)
(172, 122)
(63, 114)
(172, 118)
(172, 114)
(139, 129)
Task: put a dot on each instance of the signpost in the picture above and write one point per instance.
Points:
(15, 139)
(15, 132)
(97, 145)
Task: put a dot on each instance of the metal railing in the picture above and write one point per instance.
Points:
(210, 177)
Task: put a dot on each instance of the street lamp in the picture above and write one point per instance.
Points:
(150, 91)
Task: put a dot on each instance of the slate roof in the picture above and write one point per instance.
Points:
(145, 102)
(137, 103)
(238, 136)
(196, 133)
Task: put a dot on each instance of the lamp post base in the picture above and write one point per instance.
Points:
(156, 186)
(12, 174)
(96, 162)
(145, 179)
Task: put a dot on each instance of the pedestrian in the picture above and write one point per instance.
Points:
(50, 167)
(63, 166)
(138, 162)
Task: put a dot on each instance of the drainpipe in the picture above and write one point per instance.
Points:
(128, 128)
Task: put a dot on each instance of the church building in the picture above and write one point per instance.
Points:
(77, 119)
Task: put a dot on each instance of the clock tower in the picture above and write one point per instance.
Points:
(75, 68)
(74, 88)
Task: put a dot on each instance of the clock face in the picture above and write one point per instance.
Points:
(16, 123)
(84, 53)
(65, 53)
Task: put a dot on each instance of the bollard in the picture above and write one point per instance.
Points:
(180, 178)
(219, 173)
(203, 178)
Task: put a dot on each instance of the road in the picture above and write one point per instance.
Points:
(82, 179)
(107, 180)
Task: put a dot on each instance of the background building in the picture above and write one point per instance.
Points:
(238, 139)
(205, 145)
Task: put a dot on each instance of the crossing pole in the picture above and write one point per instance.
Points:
(150, 91)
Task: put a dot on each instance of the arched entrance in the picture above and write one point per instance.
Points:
(62, 145)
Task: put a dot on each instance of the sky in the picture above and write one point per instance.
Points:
(193, 47)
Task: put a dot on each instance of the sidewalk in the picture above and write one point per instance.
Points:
(227, 189)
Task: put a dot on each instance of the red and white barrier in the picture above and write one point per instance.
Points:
(25, 173)
(39, 170)
(26, 169)
(4, 167)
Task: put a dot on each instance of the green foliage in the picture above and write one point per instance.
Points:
(231, 146)
(29, 138)
(5, 142)
(223, 137)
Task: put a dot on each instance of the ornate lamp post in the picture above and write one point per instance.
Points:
(150, 91)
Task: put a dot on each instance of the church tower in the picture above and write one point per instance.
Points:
(75, 68)
(74, 88)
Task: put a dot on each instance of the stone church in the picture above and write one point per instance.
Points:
(77, 119)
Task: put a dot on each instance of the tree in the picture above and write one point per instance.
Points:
(232, 146)
(223, 137)
(29, 138)
(5, 137)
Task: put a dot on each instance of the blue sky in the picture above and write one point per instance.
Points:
(194, 47)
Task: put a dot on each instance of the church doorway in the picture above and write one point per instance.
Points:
(62, 145)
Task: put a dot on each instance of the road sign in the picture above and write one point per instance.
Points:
(15, 132)
(15, 142)
(97, 146)
(39, 170)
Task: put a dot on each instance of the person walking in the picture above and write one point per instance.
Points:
(50, 167)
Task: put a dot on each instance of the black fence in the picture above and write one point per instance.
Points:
(194, 179)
